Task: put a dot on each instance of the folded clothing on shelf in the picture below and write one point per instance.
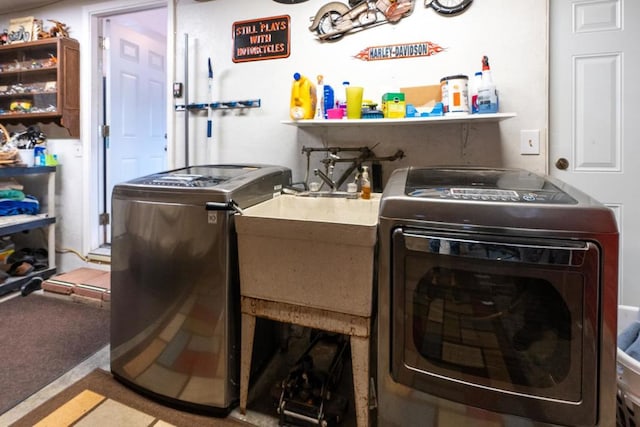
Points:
(10, 184)
(29, 205)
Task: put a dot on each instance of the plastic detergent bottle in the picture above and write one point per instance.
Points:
(365, 184)
(328, 99)
(303, 98)
(487, 92)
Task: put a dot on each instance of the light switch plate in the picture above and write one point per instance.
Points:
(77, 149)
(530, 142)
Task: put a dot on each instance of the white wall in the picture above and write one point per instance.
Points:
(512, 34)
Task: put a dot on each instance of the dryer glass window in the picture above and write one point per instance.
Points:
(494, 313)
(502, 329)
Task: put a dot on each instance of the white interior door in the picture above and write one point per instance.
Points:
(594, 113)
(136, 105)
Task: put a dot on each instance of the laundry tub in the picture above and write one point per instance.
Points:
(310, 252)
(628, 375)
(310, 261)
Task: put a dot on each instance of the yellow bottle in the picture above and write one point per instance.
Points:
(365, 184)
(303, 98)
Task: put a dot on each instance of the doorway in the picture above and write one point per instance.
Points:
(132, 75)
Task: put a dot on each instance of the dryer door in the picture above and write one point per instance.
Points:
(504, 324)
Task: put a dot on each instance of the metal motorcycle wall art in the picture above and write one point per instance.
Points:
(335, 19)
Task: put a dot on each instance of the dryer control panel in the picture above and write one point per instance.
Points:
(490, 185)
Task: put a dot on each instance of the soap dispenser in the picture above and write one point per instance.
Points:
(365, 184)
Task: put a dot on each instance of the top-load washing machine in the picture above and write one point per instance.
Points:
(175, 317)
(497, 301)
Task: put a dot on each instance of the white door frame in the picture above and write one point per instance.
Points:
(91, 86)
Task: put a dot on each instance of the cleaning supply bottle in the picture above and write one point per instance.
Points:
(320, 92)
(475, 85)
(487, 92)
(365, 184)
(303, 98)
(328, 99)
(342, 102)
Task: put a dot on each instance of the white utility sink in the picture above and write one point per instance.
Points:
(311, 251)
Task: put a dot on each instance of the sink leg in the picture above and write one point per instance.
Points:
(360, 367)
(246, 348)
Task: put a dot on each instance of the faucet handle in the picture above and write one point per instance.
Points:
(326, 178)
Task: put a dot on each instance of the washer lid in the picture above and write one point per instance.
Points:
(482, 184)
(196, 176)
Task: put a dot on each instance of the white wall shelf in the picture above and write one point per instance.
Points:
(411, 121)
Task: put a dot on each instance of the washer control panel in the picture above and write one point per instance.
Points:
(183, 180)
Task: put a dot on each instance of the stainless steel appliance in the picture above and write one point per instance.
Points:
(497, 301)
(175, 315)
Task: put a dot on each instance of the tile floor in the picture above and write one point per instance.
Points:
(93, 287)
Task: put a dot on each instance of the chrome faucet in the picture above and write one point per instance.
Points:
(325, 178)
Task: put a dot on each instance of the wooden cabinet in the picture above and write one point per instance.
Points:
(39, 83)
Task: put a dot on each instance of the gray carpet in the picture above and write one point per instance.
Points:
(41, 338)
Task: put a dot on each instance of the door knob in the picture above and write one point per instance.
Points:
(562, 163)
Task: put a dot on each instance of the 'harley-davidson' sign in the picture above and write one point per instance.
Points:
(397, 51)
(264, 38)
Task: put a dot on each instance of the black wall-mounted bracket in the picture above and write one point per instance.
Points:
(222, 105)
